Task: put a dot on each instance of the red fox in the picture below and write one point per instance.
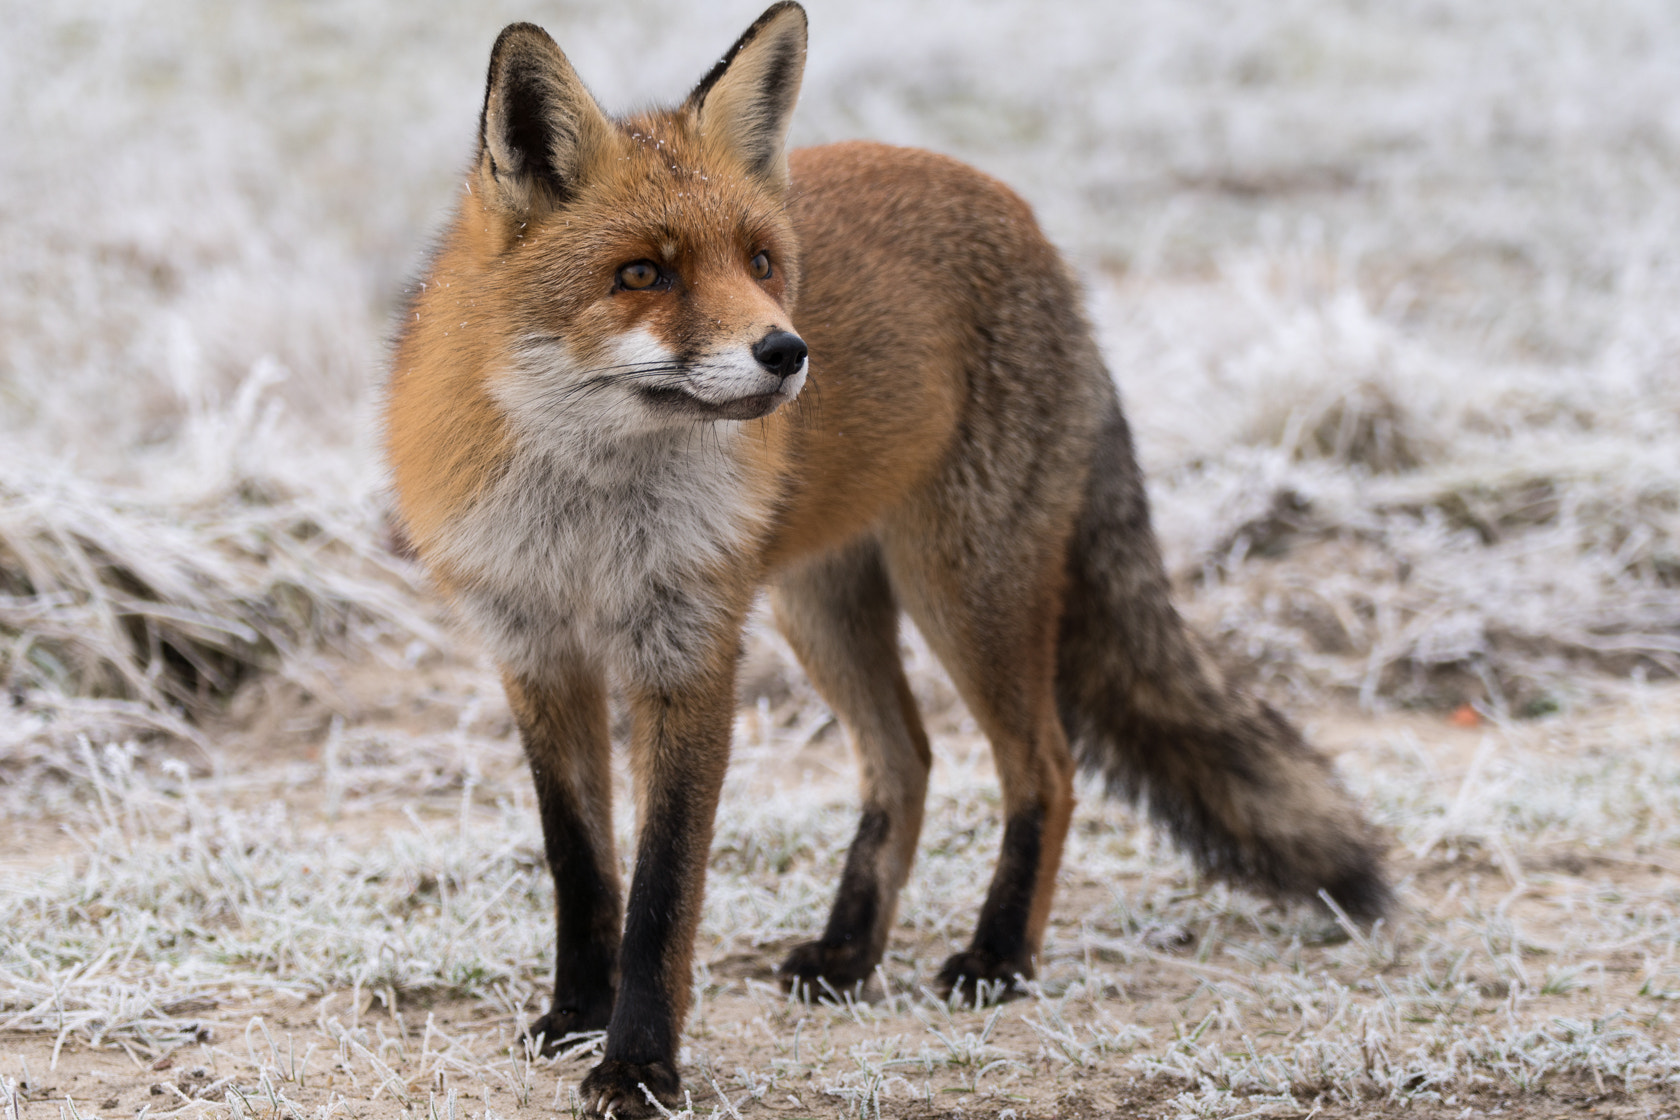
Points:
(657, 364)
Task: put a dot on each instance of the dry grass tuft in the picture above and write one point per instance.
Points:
(119, 614)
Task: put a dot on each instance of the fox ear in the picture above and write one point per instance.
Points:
(539, 123)
(746, 102)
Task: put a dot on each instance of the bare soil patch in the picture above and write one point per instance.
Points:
(345, 912)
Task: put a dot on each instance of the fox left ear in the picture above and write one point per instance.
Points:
(539, 124)
(746, 102)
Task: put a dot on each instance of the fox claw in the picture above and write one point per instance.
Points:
(554, 1026)
(622, 1089)
(981, 977)
(815, 967)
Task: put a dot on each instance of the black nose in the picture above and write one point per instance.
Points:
(780, 352)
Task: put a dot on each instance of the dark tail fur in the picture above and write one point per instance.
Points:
(1145, 706)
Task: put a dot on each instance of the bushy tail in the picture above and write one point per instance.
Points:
(1146, 707)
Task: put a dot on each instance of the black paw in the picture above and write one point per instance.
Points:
(980, 977)
(616, 1087)
(562, 1021)
(816, 969)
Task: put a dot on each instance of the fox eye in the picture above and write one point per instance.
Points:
(638, 275)
(760, 266)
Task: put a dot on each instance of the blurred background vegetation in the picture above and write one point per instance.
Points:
(1389, 288)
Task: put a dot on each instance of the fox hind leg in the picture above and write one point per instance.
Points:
(990, 615)
(839, 614)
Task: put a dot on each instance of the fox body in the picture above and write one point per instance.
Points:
(657, 364)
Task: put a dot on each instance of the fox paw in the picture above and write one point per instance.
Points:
(616, 1087)
(843, 967)
(559, 1022)
(980, 977)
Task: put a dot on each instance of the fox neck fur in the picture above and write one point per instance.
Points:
(609, 547)
(583, 426)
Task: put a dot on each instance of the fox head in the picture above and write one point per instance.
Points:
(644, 269)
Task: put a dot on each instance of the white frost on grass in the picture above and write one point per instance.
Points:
(187, 897)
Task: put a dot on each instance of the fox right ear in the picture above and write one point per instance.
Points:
(746, 103)
(539, 123)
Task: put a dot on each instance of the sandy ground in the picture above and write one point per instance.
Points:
(1152, 980)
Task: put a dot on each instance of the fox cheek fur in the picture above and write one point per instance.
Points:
(657, 365)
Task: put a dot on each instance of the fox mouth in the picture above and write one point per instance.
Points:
(680, 402)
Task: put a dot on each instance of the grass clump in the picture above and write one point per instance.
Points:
(119, 613)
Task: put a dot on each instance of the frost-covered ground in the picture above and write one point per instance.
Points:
(1393, 293)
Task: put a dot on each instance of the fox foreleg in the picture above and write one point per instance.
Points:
(679, 750)
(563, 726)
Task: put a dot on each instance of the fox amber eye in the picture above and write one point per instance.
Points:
(760, 266)
(638, 275)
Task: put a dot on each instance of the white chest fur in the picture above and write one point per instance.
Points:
(607, 548)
